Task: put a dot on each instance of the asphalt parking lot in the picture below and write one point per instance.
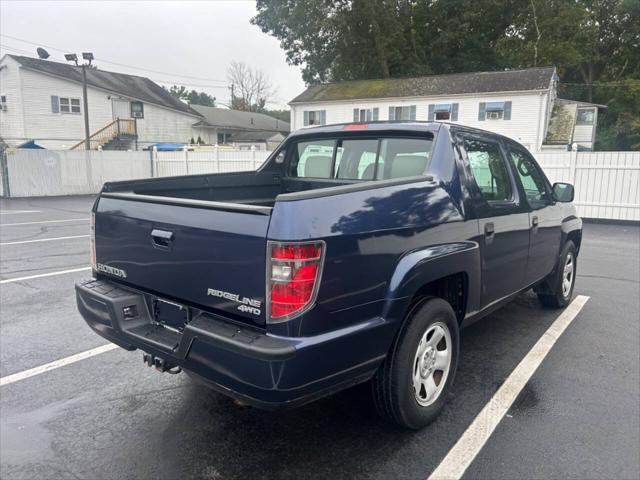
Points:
(109, 417)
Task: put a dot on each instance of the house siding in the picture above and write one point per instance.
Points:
(162, 125)
(11, 121)
(29, 93)
(59, 130)
(527, 123)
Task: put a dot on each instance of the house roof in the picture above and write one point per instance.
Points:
(452, 84)
(238, 120)
(561, 123)
(257, 136)
(133, 86)
(563, 120)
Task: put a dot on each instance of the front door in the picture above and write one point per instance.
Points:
(503, 219)
(545, 215)
(121, 108)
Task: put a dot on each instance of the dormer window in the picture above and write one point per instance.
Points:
(586, 116)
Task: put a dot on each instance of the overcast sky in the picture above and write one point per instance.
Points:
(186, 43)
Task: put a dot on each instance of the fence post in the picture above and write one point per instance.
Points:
(573, 160)
(215, 147)
(253, 156)
(186, 160)
(4, 165)
(151, 162)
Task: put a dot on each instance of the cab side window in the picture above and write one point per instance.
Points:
(313, 159)
(531, 178)
(489, 170)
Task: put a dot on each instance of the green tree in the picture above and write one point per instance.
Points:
(594, 43)
(192, 97)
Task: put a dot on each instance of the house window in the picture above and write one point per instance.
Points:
(68, 105)
(407, 112)
(3, 102)
(365, 114)
(315, 117)
(137, 110)
(443, 112)
(586, 116)
(494, 111)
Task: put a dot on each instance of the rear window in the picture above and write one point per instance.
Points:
(361, 159)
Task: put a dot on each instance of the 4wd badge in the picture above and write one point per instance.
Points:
(248, 305)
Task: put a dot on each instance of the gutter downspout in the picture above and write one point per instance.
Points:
(541, 118)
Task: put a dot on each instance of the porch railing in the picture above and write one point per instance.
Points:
(120, 127)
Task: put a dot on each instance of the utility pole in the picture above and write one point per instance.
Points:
(72, 57)
(87, 134)
(232, 95)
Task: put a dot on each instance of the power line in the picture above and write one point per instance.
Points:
(111, 62)
(618, 83)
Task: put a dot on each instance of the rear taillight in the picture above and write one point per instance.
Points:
(92, 242)
(293, 278)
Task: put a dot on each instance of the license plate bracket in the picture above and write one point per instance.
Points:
(170, 314)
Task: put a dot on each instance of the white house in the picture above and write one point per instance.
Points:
(41, 101)
(237, 128)
(520, 104)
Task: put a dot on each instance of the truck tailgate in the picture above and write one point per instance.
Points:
(186, 251)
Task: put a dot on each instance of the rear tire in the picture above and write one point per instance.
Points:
(559, 285)
(413, 383)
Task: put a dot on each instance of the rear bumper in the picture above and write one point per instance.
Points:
(261, 369)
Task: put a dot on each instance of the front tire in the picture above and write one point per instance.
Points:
(413, 383)
(559, 286)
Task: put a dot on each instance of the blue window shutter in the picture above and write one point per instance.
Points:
(482, 113)
(55, 104)
(356, 114)
(306, 118)
(431, 116)
(412, 114)
(375, 114)
(392, 113)
(323, 117)
(454, 112)
(507, 111)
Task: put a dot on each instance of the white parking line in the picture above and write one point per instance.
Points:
(14, 212)
(44, 221)
(44, 240)
(456, 462)
(50, 274)
(16, 377)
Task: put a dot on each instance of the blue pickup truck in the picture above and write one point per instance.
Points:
(355, 253)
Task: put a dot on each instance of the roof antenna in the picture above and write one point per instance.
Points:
(42, 53)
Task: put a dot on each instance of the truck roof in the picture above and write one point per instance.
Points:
(398, 126)
(390, 126)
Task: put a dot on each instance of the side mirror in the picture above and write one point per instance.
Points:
(563, 192)
(280, 157)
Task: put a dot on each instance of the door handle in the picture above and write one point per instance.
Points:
(489, 229)
(534, 223)
(161, 239)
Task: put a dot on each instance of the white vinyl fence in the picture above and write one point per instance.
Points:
(217, 161)
(37, 173)
(607, 184)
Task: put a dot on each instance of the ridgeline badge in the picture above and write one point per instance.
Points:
(246, 304)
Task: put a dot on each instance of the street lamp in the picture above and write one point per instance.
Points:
(88, 56)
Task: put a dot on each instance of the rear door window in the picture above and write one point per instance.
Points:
(489, 170)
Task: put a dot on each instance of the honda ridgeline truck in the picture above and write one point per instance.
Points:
(355, 253)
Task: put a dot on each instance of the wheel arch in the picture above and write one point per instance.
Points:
(448, 271)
